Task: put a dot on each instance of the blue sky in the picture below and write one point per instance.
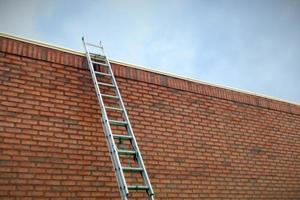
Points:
(250, 45)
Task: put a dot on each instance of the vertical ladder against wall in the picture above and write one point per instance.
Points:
(118, 132)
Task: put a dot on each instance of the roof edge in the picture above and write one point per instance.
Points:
(140, 67)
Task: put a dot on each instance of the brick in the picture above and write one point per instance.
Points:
(70, 121)
(7, 124)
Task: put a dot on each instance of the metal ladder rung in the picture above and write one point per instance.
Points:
(113, 108)
(132, 169)
(110, 96)
(99, 63)
(126, 152)
(97, 57)
(123, 137)
(137, 187)
(93, 45)
(103, 74)
(118, 123)
(106, 84)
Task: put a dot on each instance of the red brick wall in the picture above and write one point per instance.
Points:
(197, 141)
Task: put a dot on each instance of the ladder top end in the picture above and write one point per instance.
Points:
(82, 38)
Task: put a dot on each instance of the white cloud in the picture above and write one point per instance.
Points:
(18, 17)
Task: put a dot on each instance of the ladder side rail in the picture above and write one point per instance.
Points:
(108, 133)
(140, 160)
(103, 119)
(139, 157)
(116, 162)
(122, 187)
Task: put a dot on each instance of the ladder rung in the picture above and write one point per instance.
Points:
(106, 84)
(118, 123)
(93, 45)
(137, 187)
(97, 56)
(110, 96)
(101, 73)
(126, 152)
(132, 169)
(114, 108)
(124, 137)
(99, 63)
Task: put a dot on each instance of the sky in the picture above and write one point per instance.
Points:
(249, 45)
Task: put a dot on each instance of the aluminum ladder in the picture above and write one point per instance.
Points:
(101, 70)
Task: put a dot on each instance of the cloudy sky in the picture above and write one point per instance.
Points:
(250, 45)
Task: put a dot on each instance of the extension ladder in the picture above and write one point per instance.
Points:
(121, 141)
